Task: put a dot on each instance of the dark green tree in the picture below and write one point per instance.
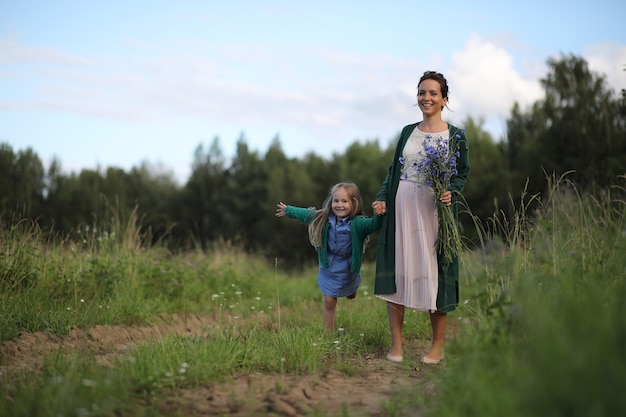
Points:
(22, 183)
(288, 181)
(242, 206)
(487, 185)
(199, 208)
(577, 127)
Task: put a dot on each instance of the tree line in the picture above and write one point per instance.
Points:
(578, 128)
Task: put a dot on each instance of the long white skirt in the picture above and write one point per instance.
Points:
(416, 255)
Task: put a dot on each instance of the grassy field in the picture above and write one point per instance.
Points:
(539, 331)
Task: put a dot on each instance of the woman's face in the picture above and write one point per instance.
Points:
(429, 98)
(341, 205)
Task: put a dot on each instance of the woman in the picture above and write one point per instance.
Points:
(410, 270)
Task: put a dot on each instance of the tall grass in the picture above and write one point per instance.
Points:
(539, 331)
(551, 341)
(263, 319)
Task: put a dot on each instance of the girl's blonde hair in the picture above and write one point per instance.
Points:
(316, 227)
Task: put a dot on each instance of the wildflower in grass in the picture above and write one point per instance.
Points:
(435, 165)
(89, 382)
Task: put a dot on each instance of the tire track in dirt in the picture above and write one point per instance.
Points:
(30, 349)
(255, 394)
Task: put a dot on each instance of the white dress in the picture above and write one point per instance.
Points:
(416, 233)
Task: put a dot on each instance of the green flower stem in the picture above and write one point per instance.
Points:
(448, 235)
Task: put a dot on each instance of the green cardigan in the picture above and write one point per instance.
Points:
(385, 282)
(360, 228)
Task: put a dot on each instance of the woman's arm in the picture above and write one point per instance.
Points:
(457, 183)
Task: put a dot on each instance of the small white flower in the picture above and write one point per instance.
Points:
(89, 382)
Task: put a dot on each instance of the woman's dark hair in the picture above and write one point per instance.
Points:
(436, 76)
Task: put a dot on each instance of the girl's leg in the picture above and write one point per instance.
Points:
(438, 324)
(329, 313)
(395, 312)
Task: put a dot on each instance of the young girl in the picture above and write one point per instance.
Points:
(338, 231)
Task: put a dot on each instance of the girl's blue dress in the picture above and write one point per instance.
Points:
(336, 280)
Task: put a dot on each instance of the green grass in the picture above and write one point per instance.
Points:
(551, 343)
(540, 328)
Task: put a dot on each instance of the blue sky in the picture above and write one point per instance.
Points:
(120, 83)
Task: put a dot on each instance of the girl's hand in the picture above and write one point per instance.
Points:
(446, 198)
(380, 207)
(280, 209)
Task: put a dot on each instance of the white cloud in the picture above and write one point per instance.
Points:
(332, 97)
(608, 59)
(486, 81)
(13, 52)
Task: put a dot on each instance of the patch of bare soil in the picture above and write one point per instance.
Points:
(326, 394)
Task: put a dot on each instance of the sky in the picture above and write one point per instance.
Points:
(130, 83)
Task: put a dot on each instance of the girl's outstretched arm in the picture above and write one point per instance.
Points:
(280, 209)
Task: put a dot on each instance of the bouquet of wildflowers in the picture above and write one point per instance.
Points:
(435, 164)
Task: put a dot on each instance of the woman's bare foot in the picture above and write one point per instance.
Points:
(434, 356)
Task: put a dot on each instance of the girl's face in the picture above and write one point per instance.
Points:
(342, 204)
(429, 97)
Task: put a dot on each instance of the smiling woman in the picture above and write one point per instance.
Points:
(415, 266)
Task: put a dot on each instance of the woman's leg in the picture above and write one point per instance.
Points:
(329, 313)
(438, 324)
(395, 312)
